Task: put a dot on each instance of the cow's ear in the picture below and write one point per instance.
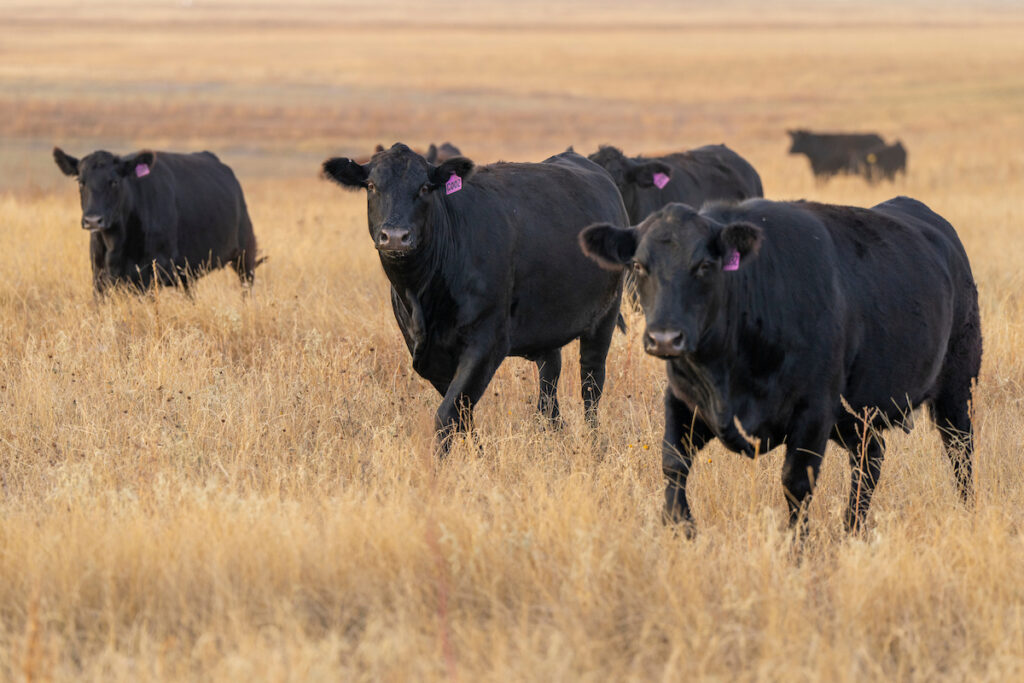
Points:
(138, 164)
(646, 174)
(611, 247)
(345, 172)
(460, 166)
(737, 243)
(431, 153)
(65, 162)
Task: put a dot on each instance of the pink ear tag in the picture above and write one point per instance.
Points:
(453, 185)
(661, 180)
(142, 170)
(732, 261)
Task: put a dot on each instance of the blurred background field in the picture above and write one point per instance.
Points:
(229, 490)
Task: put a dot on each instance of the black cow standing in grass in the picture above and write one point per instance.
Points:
(694, 177)
(833, 153)
(792, 323)
(161, 218)
(484, 263)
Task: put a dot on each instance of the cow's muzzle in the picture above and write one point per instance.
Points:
(94, 222)
(395, 240)
(664, 343)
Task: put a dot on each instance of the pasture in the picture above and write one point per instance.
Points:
(219, 489)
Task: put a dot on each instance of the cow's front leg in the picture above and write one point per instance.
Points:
(685, 435)
(476, 367)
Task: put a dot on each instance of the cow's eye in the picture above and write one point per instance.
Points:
(425, 189)
(81, 183)
(640, 269)
(370, 187)
(702, 268)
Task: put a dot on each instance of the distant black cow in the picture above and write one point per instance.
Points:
(694, 177)
(884, 162)
(163, 218)
(486, 265)
(795, 323)
(833, 153)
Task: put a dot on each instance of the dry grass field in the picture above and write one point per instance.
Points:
(235, 490)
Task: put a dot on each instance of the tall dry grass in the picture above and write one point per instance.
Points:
(215, 489)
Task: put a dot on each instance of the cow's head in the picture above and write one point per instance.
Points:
(106, 184)
(681, 260)
(799, 139)
(400, 186)
(639, 180)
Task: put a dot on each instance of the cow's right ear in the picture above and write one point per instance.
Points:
(65, 162)
(611, 247)
(345, 172)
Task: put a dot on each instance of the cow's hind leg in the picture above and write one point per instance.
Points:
(951, 407)
(593, 354)
(549, 367)
(951, 413)
(244, 265)
(867, 449)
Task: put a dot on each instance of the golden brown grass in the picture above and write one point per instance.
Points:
(227, 490)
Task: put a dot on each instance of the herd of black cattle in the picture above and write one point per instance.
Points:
(781, 323)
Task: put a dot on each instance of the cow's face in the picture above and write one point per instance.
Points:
(400, 185)
(799, 139)
(639, 180)
(104, 184)
(680, 260)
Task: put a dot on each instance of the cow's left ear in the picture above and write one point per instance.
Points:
(611, 247)
(646, 174)
(460, 166)
(138, 164)
(738, 243)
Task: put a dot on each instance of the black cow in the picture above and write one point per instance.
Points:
(833, 153)
(794, 323)
(884, 162)
(693, 177)
(485, 265)
(161, 218)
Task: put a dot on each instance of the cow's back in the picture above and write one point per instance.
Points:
(210, 208)
(701, 175)
(535, 212)
(718, 174)
(903, 273)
